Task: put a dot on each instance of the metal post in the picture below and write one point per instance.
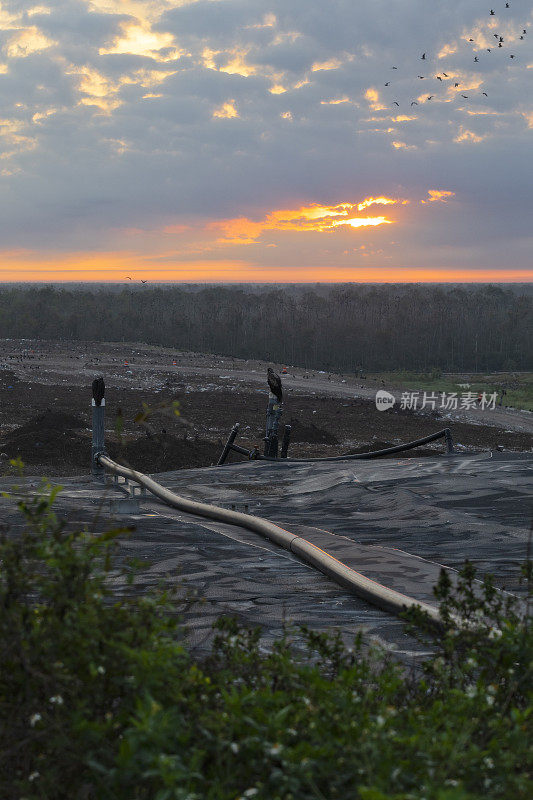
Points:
(98, 445)
(285, 442)
(449, 440)
(227, 446)
(274, 412)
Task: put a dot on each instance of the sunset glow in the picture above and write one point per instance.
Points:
(196, 139)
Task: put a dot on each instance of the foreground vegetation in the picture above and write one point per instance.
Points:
(414, 327)
(100, 698)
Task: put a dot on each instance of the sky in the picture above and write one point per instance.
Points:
(266, 140)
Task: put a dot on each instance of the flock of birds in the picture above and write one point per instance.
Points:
(444, 76)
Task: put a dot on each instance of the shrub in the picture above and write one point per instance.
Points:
(100, 698)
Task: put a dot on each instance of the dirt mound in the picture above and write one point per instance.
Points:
(162, 452)
(49, 438)
(55, 421)
(309, 433)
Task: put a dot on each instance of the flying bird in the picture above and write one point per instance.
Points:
(500, 45)
(476, 59)
(431, 96)
(444, 74)
(491, 13)
(421, 77)
(387, 83)
(394, 67)
(488, 49)
(511, 56)
(521, 37)
(507, 5)
(414, 103)
(274, 382)
(501, 38)
(524, 31)
(439, 78)
(485, 93)
(144, 281)
(128, 278)
(465, 96)
(395, 103)
(456, 85)
(470, 40)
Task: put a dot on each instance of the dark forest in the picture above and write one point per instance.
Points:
(345, 328)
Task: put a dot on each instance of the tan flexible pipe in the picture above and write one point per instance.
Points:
(373, 592)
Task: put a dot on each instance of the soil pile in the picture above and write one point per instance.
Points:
(309, 433)
(162, 452)
(50, 438)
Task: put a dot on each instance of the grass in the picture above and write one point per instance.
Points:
(519, 386)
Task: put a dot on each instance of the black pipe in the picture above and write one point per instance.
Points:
(355, 456)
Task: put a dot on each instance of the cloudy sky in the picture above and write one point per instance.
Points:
(266, 140)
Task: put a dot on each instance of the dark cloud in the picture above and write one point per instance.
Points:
(94, 141)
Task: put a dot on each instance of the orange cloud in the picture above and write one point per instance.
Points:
(313, 218)
(226, 111)
(438, 196)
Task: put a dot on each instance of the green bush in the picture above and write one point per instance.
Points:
(99, 697)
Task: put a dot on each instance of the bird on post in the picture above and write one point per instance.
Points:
(98, 390)
(274, 382)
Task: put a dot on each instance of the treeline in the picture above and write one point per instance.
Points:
(414, 327)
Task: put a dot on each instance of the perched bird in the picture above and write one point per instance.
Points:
(491, 13)
(456, 85)
(476, 59)
(524, 31)
(274, 382)
(423, 56)
(500, 45)
(507, 5)
(511, 56)
(501, 38)
(98, 390)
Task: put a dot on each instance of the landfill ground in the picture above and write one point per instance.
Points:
(443, 509)
(45, 409)
(475, 504)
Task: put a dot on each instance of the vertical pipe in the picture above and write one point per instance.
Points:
(98, 445)
(449, 440)
(285, 442)
(227, 446)
(274, 412)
